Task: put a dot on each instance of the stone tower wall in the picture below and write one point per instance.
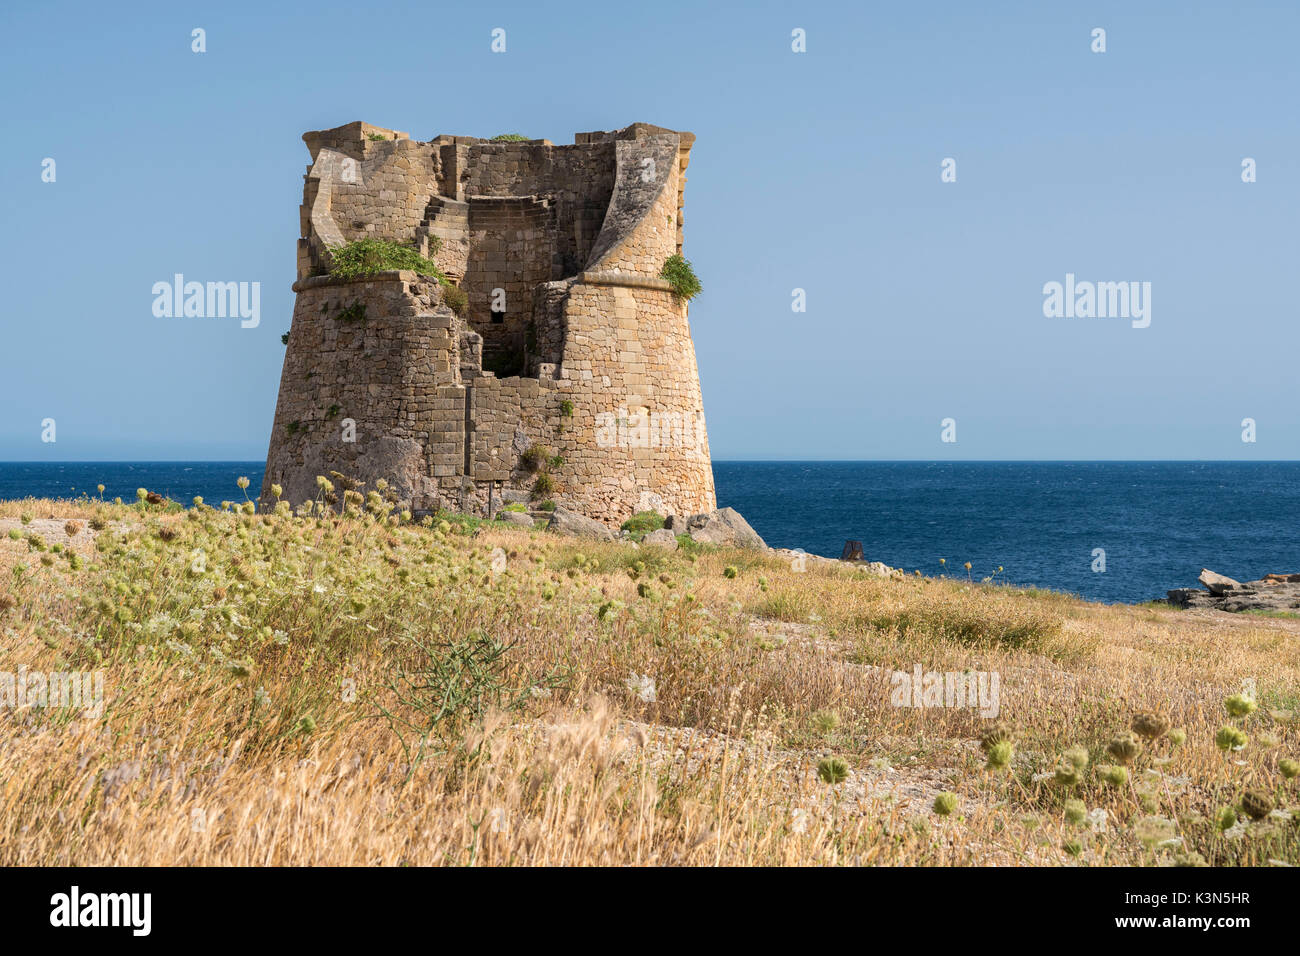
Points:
(607, 377)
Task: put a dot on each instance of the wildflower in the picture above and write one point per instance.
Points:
(1156, 831)
(1225, 818)
(999, 755)
(996, 734)
(833, 770)
(1239, 705)
(277, 491)
(945, 803)
(1288, 768)
(1115, 776)
(1257, 804)
(1078, 757)
(1124, 747)
(142, 493)
(1097, 820)
(1177, 737)
(643, 685)
(1150, 726)
(1075, 812)
(729, 571)
(198, 501)
(799, 820)
(1067, 774)
(306, 724)
(242, 482)
(1230, 738)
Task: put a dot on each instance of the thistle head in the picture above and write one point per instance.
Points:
(999, 755)
(1124, 748)
(1150, 726)
(1230, 738)
(1075, 812)
(1256, 804)
(945, 803)
(1116, 776)
(1077, 757)
(833, 770)
(1239, 705)
(996, 734)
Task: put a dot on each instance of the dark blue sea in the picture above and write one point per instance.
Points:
(1158, 523)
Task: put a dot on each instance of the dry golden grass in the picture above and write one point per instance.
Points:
(360, 691)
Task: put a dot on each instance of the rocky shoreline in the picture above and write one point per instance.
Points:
(1273, 592)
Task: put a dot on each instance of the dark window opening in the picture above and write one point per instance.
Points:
(498, 317)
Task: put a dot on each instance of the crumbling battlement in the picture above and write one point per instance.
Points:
(570, 339)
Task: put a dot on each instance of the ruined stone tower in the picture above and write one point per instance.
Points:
(569, 341)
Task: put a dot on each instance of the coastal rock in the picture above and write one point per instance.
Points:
(724, 527)
(1217, 583)
(662, 538)
(568, 522)
(515, 517)
(1263, 595)
(1280, 579)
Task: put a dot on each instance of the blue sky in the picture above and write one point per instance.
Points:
(818, 171)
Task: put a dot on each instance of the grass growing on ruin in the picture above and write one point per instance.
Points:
(681, 276)
(360, 690)
(364, 257)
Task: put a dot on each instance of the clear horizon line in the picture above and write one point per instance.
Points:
(756, 461)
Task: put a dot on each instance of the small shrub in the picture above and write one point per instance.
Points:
(363, 257)
(543, 486)
(534, 457)
(681, 276)
(547, 505)
(643, 522)
(566, 409)
(292, 428)
(833, 770)
(457, 299)
(356, 312)
(509, 138)
(376, 137)
(332, 411)
(284, 339)
(515, 506)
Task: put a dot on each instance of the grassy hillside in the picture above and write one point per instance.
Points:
(321, 690)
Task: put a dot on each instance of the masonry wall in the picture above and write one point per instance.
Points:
(388, 378)
(576, 237)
